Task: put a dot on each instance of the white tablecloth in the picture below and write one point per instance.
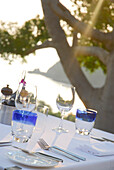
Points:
(68, 141)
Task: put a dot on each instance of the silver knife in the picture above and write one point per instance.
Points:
(97, 138)
(69, 153)
(102, 139)
(64, 154)
(109, 140)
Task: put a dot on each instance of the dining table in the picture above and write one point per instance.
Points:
(68, 141)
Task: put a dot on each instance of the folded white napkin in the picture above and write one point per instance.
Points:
(98, 149)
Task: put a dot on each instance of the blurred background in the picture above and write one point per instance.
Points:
(44, 68)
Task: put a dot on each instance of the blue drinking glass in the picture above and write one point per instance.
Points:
(23, 124)
(85, 120)
(25, 117)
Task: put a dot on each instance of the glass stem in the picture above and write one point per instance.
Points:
(61, 121)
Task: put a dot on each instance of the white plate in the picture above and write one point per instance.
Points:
(29, 160)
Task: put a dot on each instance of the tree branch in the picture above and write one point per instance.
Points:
(75, 42)
(85, 29)
(92, 51)
(68, 60)
(46, 44)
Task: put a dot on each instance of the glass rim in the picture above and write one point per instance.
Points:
(88, 110)
(24, 111)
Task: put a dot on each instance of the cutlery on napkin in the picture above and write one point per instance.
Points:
(43, 144)
(102, 139)
(98, 149)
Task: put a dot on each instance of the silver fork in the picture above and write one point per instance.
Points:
(66, 153)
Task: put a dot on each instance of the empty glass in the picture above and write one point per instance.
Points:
(26, 94)
(64, 101)
(85, 120)
(26, 97)
(22, 125)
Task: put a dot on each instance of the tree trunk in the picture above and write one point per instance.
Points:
(99, 99)
(105, 118)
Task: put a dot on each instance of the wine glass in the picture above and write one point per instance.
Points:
(26, 96)
(64, 101)
(23, 119)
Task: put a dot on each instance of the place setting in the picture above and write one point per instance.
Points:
(26, 124)
(28, 144)
(88, 141)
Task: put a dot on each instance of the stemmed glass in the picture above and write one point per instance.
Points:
(23, 119)
(26, 95)
(64, 101)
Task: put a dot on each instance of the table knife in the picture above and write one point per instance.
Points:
(69, 153)
(102, 139)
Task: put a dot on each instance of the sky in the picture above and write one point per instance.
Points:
(21, 11)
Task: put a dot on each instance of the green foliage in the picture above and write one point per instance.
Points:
(91, 63)
(70, 117)
(86, 11)
(58, 114)
(15, 41)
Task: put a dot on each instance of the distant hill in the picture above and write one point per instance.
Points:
(55, 73)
